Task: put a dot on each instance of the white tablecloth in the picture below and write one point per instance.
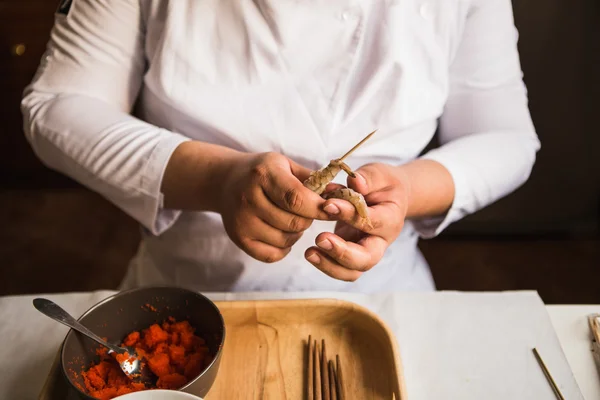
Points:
(571, 326)
(453, 345)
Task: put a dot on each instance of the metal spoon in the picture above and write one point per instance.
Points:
(133, 366)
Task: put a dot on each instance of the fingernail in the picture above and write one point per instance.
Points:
(331, 209)
(314, 258)
(325, 244)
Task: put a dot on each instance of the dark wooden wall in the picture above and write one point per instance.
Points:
(559, 45)
(24, 27)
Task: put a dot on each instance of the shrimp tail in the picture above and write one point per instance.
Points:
(355, 198)
(346, 168)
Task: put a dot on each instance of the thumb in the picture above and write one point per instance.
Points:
(361, 182)
(369, 178)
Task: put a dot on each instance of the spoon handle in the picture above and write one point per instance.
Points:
(54, 311)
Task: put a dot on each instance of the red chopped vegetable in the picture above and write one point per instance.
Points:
(173, 352)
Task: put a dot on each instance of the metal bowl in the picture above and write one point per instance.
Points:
(116, 316)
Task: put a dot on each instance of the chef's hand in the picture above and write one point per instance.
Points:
(264, 206)
(354, 247)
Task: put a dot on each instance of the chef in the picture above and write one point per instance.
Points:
(201, 119)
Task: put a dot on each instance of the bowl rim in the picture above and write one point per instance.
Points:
(139, 289)
(161, 391)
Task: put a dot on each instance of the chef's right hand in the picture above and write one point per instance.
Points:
(264, 205)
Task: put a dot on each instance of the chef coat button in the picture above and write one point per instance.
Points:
(426, 11)
(350, 13)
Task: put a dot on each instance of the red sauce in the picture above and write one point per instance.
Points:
(173, 352)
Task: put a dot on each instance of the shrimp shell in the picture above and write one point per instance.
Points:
(355, 198)
(318, 180)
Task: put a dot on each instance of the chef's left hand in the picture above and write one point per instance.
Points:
(354, 247)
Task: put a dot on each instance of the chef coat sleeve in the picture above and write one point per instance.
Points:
(488, 141)
(77, 109)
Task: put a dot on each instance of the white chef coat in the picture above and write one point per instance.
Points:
(304, 78)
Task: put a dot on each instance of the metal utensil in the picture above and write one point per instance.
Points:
(131, 365)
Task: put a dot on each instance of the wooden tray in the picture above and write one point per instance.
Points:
(264, 356)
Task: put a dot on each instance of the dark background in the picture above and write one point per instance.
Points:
(58, 236)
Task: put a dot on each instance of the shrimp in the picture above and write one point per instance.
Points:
(355, 198)
(318, 181)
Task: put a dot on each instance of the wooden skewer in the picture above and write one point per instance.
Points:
(594, 321)
(356, 146)
(548, 376)
(310, 371)
(324, 371)
(340, 379)
(332, 381)
(317, 373)
(324, 377)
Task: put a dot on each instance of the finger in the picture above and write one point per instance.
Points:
(333, 186)
(386, 218)
(344, 211)
(359, 183)
(361, 256)
(288, 193)
(264, 252)
(348, 232)
(299, 171)
(321, 260)
(369, 178)
(267, 234)
(395, 195)
(278, 218)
